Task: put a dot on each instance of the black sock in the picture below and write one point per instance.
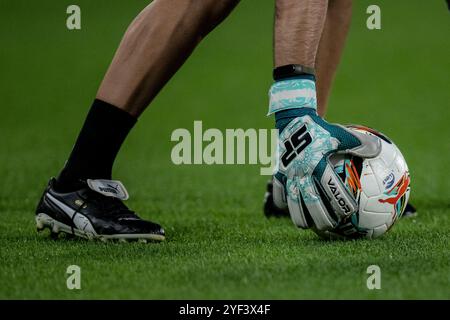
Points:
(98, 143)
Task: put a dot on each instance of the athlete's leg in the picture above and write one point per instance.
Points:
(298, 28)
(83, 200)
(330, 48)
(155, 45)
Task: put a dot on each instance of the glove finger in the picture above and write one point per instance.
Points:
(323, 217)
(356, 143)
(294, 202)
(351, 141)
(331, 189)
(308, 206)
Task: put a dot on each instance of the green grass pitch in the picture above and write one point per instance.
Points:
(219, 245)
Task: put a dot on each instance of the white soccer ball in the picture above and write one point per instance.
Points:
(380, 186)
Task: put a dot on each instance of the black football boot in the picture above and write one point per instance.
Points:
(95, 211)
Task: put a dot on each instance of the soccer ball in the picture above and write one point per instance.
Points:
(380, 186)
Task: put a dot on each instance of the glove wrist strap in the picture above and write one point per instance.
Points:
(294, 87)
(292, 93)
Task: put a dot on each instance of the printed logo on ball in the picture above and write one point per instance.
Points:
(389, 180)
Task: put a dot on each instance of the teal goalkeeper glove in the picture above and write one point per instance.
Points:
(304, 179)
